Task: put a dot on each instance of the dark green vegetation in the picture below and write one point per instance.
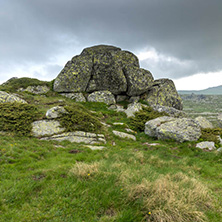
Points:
(17, 118)
(147, 113)
(211, 135)
(128, 181)
(14, 84)
(79, 118)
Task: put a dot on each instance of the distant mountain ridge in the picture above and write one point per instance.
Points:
(217, 90)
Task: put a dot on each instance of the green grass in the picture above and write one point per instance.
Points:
(131, 181)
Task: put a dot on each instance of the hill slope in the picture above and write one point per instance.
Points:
(217, 90)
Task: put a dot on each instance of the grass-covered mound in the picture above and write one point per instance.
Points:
(17, 118)
(12, 85)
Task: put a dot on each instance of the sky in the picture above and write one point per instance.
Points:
(176, 39)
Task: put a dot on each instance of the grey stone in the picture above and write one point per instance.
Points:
(203, 122)
(102, 96)
(95, 147)
(117, 108)
(151, 126)
(169, 110)
(170, 128)
(77, 97)
(219, 150)
(78, 137)
(206, 145)
(132, 108)
(55, 112)
(6, 97)
(124, 135)
(120, 98)
(180, 130)
(46, 127)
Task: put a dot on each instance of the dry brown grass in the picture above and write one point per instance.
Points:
(176, 198)
(83, 170)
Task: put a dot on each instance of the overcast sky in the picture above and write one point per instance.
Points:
(176, 39)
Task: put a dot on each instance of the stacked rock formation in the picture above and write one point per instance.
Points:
(112, 70)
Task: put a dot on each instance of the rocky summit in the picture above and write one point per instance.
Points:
(108, 68)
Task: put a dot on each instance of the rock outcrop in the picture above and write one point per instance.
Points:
(108, 68)
(203, 122)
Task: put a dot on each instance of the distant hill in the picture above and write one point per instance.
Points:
(209, 91)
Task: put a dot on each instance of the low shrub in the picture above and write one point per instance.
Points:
(211, 135)
(137, 122)
(79, 118)
(17, 117)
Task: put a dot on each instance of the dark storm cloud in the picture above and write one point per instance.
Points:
(189, 31)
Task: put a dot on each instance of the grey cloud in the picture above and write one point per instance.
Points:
(188, 30)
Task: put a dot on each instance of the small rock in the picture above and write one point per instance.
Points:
(124, 135)
(118, 124)
(132, 108)
(77, 97)
(95, 147)
(130, 131)
(102, 96)
(55, 112)
(6, 97)
(219, 150)
(206, 145)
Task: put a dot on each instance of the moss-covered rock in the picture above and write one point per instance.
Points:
(6, 97)
(164, 93)
(138, 80)
(102, 96)
(75, 75)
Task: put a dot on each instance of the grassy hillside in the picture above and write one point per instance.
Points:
(209, 91)
(128, 181)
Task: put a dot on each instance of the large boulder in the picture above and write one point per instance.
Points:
(169, 128)
(164, 93)
(6, 97)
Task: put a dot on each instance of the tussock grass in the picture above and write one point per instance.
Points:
(172, 198)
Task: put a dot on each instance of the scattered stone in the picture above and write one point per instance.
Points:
(117, 108)
(220, 140)
(203, 122)
(95, 147)
(206, 145)
(130, 131)
(151, 144)
(169, 110)
(46, 127)
(132, 108)
(6, 97)
(55, 112)
(35, 89)
(118, 124)
(102, 96)
(77, 97)
(169, 128)
(78, 137)
(105, 124)
(124, 135)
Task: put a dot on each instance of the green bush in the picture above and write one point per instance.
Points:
(17, 117)
(141, 117)
(211, 135)
(79, 118)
